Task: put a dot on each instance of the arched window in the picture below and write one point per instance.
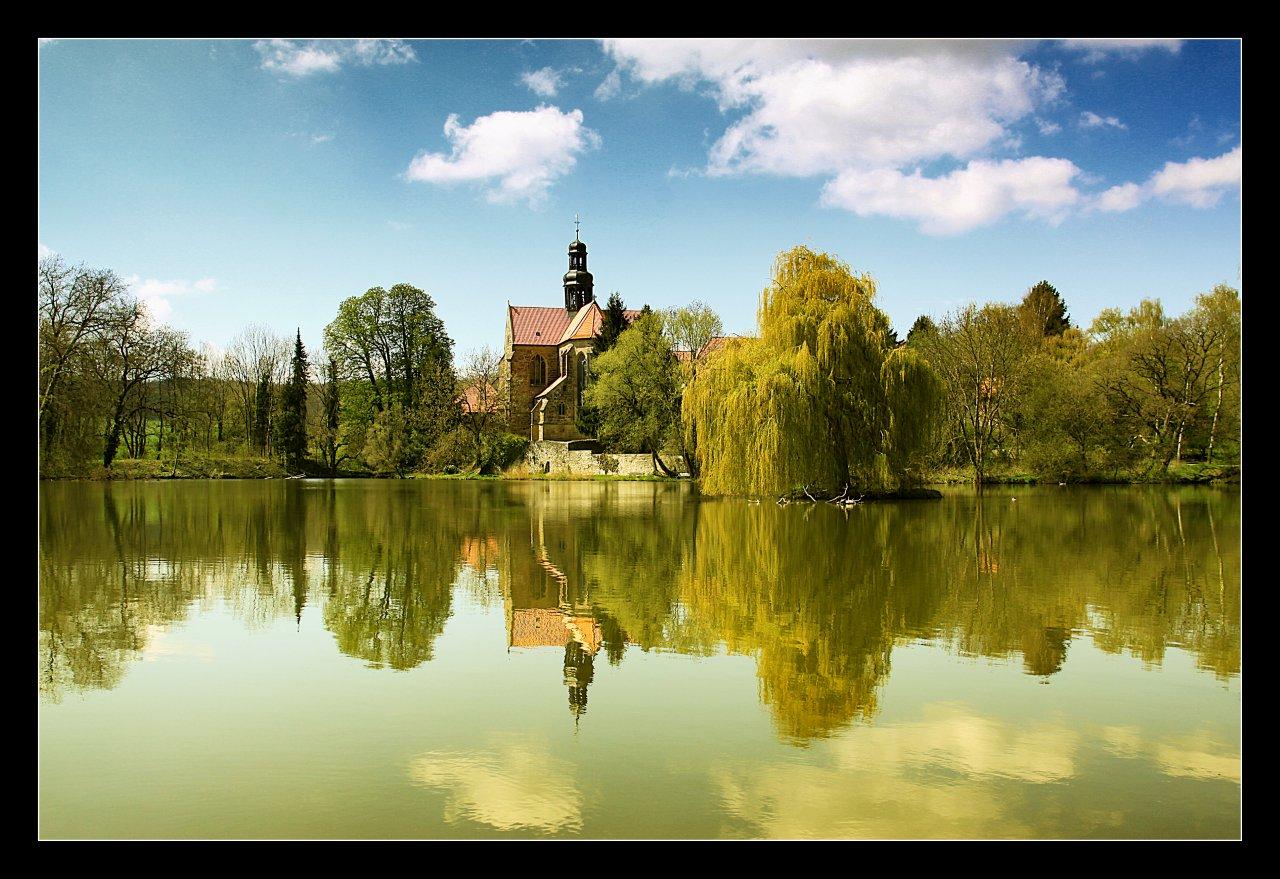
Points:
(538, 371)
(560, 409)
(582, 376)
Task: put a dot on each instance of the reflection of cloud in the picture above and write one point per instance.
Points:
(953, 737)
(884, 782)
(1195, 755)
(511, 785)
(160, 645)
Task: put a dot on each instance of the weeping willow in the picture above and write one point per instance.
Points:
(819, 399)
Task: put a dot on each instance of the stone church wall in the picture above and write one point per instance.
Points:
(522, 393)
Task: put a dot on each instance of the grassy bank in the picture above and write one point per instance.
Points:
(212, 466)
(1184, 474)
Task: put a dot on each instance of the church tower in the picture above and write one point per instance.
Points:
(578, 283)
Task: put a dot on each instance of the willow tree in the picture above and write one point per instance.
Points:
(808, 402)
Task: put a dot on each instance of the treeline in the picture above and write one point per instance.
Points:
(1131, 396)
(383, 397)
(827, 398)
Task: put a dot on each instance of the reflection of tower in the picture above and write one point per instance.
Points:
(579, 670)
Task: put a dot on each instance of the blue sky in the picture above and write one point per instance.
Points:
(243, 181)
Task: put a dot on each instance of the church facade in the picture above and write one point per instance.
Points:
(547, 353)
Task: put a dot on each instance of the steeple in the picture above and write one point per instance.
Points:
(579, 286)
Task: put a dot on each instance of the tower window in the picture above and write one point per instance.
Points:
(538, 371)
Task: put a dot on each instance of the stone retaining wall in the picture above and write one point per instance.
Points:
(556, 457)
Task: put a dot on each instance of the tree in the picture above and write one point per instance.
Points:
(808, 402)
(130, 352)
(1044, 311)
(923, 326)
(981, 355)
(392, 349)
(613, 323)
(256, 360)
(291, 432)
(73, 304)
(636, 391)
(691, 327)
(484, 416)
(328, 431)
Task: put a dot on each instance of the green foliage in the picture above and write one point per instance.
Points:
(396, 441)
(807, 402)
(635, 389)
(1044, 311)
(613, 323)
(291, 430)
(913, 395)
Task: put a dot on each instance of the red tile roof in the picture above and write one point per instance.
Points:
(538, 325)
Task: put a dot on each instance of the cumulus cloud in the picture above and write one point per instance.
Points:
(43, 251)
(1090, 119)
(155, 294)
(299, 58)
(903, 129)
(544, 82)
(815, 107)
(516, 155)
(976, 195)
(1096, 50)
(1198, 182)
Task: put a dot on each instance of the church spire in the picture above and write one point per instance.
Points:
(579, 286)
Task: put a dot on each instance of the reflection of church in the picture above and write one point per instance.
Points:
(549, 606)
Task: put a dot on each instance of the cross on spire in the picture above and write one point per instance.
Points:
(576, 221)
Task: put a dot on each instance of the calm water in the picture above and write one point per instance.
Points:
(453, 659)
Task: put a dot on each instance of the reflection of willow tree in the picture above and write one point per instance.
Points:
(816, 598)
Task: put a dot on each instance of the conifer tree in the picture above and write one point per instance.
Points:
(291, 432)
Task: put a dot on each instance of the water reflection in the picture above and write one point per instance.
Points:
(821, 599)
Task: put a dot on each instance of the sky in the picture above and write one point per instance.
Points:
(237, 182)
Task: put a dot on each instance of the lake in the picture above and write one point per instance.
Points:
(433, 659)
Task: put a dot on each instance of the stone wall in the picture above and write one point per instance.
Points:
(557, 457)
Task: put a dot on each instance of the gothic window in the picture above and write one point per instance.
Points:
(560, 409)
(582, 376)
(538, 371)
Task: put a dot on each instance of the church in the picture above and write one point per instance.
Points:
(547, 356)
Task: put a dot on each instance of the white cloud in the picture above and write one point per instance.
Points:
(155, 294)
(42, 251)
(544, 82)
(822, 106)
(609, 86)
(873, 116)
(302, 58)
(321, 138)
(1099, 50)
(1090, 119)
(1198, 182)
(976, 195)
(1124, 197)
(41, 42)
(518, 154)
